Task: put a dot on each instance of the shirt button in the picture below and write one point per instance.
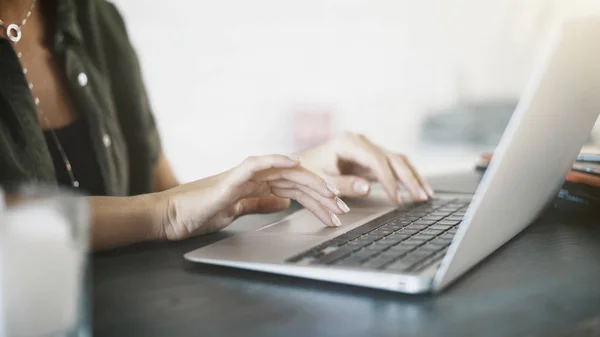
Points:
(82, 79)
(59, 39)
(106, 140)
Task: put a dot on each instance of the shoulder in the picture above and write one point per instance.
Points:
(103, 17)
(110, 14)
(106, 39)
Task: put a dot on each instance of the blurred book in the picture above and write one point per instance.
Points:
(580, 193)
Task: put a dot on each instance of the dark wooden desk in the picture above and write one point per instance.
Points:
(545, 282)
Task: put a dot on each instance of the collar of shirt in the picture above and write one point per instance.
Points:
(66, 25)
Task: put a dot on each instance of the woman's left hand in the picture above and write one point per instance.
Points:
(350, 161)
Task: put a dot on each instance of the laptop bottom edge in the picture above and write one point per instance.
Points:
(401, 283)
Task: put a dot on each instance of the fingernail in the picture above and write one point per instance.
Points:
(429, 191)
(332, 188)
(343, 205)
(336, 220)
(361, 187)
(423, 196)
(294, 158)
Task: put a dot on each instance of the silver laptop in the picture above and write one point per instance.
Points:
(425, 247)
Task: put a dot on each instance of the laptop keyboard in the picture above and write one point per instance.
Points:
(406, 240)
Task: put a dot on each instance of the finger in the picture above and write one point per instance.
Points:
(252, 165)
(422, 181)
(407, 178)
(269, 204)
(365, 153)
(351, 186)
(301, 176)
(334, 204)
(322, 213)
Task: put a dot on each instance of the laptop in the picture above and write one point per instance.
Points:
(424, 247)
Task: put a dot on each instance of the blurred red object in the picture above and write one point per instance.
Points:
(583, 178)
(311, 127)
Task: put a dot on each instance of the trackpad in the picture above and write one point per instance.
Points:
(304, 222)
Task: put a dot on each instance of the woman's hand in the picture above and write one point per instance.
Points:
(350, 161)
(258, 185)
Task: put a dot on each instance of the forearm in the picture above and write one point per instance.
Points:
(121, 221)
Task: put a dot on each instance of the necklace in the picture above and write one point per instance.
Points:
(13, 32)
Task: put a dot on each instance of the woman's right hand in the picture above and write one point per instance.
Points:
(258, 185)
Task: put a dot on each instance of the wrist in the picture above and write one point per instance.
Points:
(150, 210)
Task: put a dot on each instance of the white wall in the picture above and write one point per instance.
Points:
(225, 76)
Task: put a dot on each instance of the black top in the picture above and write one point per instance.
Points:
(76, 143)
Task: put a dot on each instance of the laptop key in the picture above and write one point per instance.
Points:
(378, 262)
(425, 222)
(431, 231)
(366, 228)
(408, 231)
(421, 238)
(418, 254)
(354, 245)
(384, 231)
(402, 248)
(401, 221)
(440, 242)
(447, 235)
(428, 248)
(399, 235)
(416, 226)
(391, 254)
(395, 228)
(432, 218)
(372, 247)
(414, 241)
(349, 261)
(448, 222)
(347, 237)
(424, 236)
(399, 266)
(439, 227)
(394, 239)
(330, 244)
(374, 235)
(363, 254)
(383, 244)
(333, 256)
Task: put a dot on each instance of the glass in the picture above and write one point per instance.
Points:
(44, 286)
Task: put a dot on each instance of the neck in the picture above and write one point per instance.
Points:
(13, 11)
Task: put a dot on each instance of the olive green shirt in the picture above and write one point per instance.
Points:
(90, 39)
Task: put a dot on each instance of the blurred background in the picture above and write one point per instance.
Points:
(436, 79)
